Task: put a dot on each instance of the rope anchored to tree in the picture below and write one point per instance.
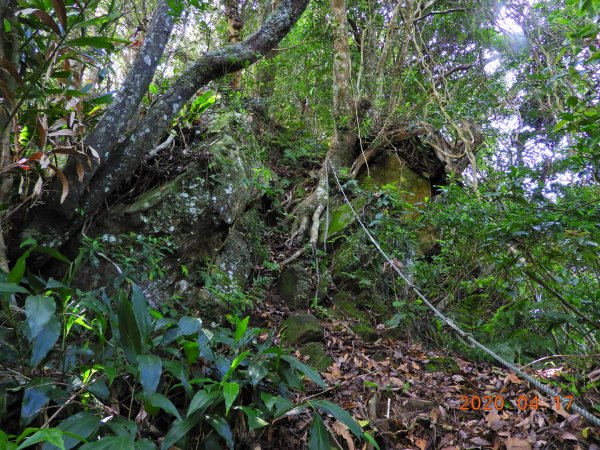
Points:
(549, 391)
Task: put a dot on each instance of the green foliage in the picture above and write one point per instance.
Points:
(182, 377)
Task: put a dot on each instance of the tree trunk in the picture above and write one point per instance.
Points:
(119, 150)
(9, 54)
(235, 24)
(343, 142)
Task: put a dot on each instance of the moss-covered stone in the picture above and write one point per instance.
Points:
(395, 334)
(317, 357)
(233, 264)
(441, 365)
(367, 333)
(345, 307)
(389, 169)
(302, 328)
(295, 287)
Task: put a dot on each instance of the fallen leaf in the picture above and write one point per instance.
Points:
(513, 443)
(342, 430)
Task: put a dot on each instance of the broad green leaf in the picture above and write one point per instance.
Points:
(276, 404)
(34, 399)
(255, 418)
(178, 430)
(51, 252)
(189, 325)
(18, 270)
(179, 371)
(305, 369)
(13, 288)
(44, 341)
(129, 332)
(203, 400)
(39, 310)
(110, 443)
(222, 427)
(144, 444)
(240, 330)
(319, 438)
(230, 393)
(82, 424)
(99, 389)
(234, 364)
(141, 312)
(191, 350)
(150, 367)
(257, 372)
(340, 414)
(162, 402)
(50, 435)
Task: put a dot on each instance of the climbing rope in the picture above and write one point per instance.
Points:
(549, 391)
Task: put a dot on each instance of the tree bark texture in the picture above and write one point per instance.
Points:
(8, 54)
(121, 151)
(235, 24)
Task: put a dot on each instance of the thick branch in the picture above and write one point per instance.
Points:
(117, 121)
(124, 159)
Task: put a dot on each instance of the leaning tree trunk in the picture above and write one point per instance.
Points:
(118, 143)
(344, 138)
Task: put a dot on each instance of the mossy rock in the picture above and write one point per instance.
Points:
(302, 328)
(389, 169)
(345, 304)
(317, 357)
(295, 287)
(341, 217)
(394, 334)
(441, 365)
(367, 333)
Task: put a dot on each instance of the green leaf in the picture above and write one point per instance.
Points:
(50, 435)
(129, 332)
(82, 424)
(234, 364)
(144, 444)
(255, 418)
(203, 399)
(240, 330)
(191, 350)
(18, 270)
(34, 399)
(141, 312)
(51, 252)
(305, 369)
(150, 367)
(222, 427)
(276, 404)
(319, 438)
(178, 430)
(189, 325)
(257, 372)
(371, 440)
(230, 393)
(162, 402)
(340, 414)
(13, 288)
(96, 42)
(43, 326)
(110, 443)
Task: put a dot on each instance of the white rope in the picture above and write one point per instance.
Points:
(549, 391)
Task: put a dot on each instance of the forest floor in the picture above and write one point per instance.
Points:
(415, 398)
